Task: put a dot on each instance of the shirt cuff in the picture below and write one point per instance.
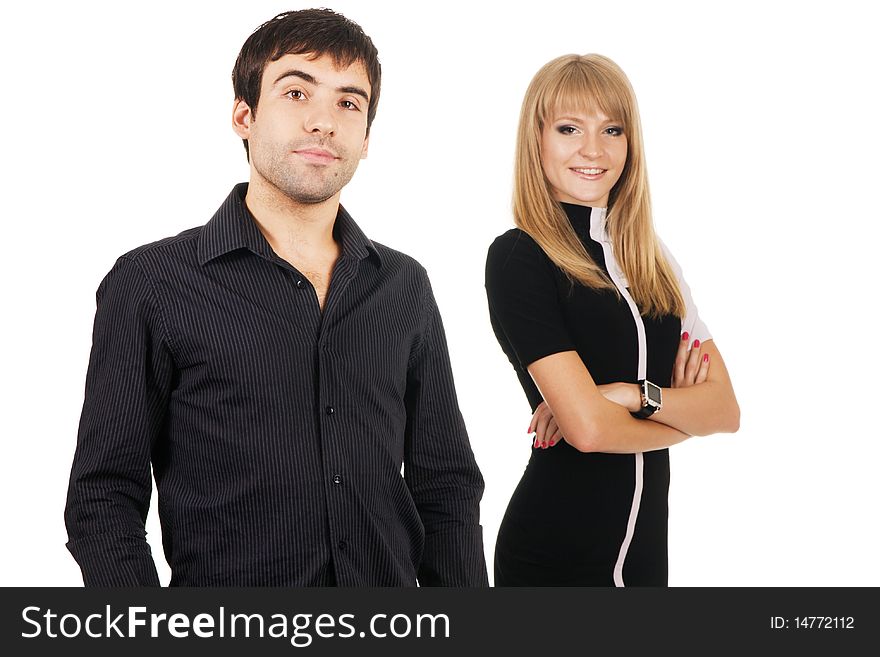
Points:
(454, 557)
(114, 559)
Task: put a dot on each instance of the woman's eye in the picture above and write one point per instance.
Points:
(614, 130)
(567, 129)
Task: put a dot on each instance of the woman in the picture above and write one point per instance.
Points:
(594, 315)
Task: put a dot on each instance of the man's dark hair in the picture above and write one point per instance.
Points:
(318, 31)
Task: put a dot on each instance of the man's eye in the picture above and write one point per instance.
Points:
(347, 104)
(294, 94)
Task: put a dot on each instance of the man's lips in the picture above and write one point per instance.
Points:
(318, 155)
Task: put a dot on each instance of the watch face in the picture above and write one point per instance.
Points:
(653, 392)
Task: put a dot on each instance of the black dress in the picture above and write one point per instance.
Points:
(582, 519)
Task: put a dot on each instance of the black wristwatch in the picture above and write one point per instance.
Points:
(652, 399)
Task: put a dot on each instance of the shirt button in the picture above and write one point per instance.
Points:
(337, 479)
(299, 283)
(342, 545)
(329, 410)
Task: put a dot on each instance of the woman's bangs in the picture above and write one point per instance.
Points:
(581, 91)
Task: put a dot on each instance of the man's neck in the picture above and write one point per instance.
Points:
(294, 230)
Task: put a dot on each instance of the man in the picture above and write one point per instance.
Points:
(277, 368)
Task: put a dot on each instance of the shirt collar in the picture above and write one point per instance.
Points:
(233, 227)
(587, 221)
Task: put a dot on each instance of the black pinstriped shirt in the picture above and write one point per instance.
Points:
(290, 447)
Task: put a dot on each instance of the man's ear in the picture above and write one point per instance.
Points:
(365, 148)
(241, 119)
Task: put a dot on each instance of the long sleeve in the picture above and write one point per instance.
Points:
(127, 386)
(439, 465)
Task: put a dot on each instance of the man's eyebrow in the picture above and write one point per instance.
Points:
(354, 90)
(294, 73)
(311, 79)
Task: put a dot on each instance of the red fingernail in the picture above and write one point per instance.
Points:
(685, 336)
(706, 358)
(552, 443)
(696, 343)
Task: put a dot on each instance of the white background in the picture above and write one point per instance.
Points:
(761, 133)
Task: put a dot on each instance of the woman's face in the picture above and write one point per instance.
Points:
(583, 156)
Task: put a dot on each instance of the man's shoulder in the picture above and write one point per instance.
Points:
(176, 248)
(399, 263)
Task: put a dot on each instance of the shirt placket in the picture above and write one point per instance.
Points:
(333, 418)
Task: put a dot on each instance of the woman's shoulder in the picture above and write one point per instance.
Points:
(515, 260)
(517, 244)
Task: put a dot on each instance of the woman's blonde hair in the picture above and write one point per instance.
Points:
(587, 83)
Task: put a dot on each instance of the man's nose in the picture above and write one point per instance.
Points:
(320, 120)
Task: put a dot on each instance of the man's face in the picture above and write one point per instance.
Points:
(310, 127)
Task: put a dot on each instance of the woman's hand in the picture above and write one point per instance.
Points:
(544, 427)
(690, 367)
